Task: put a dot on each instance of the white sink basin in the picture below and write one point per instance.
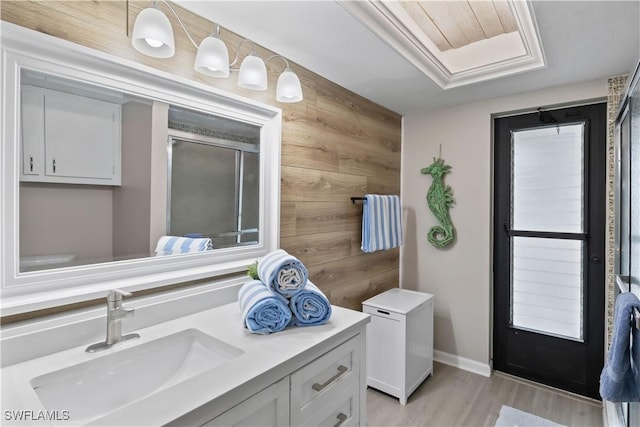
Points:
(97, 387)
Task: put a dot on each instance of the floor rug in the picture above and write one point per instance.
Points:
(511, 417)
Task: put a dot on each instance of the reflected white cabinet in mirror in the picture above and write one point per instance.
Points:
(118, 165)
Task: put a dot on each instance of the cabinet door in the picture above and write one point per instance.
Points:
(82, 137)
(32, 127)
(268, 408)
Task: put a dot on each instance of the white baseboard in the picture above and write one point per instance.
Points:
(460, 362)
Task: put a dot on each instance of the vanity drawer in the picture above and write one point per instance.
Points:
(316, 386)
(342, 411)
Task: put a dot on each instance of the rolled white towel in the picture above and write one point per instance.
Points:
(282, 273)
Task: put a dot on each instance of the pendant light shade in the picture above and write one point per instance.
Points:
(212, 58)
(288, 88)
(253, 73)
(152, 34)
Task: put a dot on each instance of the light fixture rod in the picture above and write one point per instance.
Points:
(235, 59)
(181, 23)
(278, 56)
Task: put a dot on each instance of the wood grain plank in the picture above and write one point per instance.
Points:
(467, 20)
(382, 185)
(299, 184)
(337, 274)
(442, 15)
(424, 22)
(287, 219)
(326, 217)
(487, 17)
(351, 296)
(505, 14)
(313, 249)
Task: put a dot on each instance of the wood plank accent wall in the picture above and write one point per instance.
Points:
(335, 144)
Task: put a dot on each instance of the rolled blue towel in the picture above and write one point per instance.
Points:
(263, 311)
(282, 273)
(619, 379)
(310, 306)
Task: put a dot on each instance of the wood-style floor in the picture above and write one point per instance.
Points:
(453, 397)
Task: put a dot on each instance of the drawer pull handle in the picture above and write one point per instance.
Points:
(341, 418)
(319, 387)
(384, 312)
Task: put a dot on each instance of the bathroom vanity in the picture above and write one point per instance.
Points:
(198, 369)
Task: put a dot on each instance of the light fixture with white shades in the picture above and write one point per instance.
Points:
(153, 36)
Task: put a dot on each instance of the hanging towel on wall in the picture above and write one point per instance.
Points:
(263, 311)
(310, 306)
(282, 273)
(381, 223)
(619, 378)
(169, 245)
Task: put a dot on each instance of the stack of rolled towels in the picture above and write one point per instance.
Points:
(283, 296)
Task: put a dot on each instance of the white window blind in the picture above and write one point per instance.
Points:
(548, 196)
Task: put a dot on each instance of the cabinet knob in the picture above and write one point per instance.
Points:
(54, 164)
(30, 163)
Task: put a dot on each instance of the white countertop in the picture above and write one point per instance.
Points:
(266, 359)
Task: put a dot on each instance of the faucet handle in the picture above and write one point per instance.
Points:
(117, 294)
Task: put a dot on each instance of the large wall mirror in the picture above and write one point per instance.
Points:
(118, 175)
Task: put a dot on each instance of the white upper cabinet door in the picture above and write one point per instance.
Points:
(32, 128)
(80, 142)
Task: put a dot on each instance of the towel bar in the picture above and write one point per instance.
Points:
(353, 199)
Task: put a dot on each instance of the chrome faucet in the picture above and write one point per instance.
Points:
(115, 314)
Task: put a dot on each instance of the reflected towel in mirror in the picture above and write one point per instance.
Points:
(169, 245)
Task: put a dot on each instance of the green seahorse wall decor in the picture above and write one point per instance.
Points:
(440, 199)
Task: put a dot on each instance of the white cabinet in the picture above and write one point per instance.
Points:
(69, 139)
(328, 390)
(267, 408)
(399, 341)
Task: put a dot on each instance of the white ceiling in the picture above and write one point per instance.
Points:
(582, 41)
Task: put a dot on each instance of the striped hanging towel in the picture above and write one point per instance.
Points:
(381, 223)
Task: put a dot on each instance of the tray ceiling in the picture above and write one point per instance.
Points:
(459, 42)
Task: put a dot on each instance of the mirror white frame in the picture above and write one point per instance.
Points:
(23, 292)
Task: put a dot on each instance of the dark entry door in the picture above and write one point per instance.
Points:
(549, 228)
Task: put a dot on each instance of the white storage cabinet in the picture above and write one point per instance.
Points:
(69, 139)
(399, 341)
(327, 391)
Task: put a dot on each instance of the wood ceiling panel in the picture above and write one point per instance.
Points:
(457, 23)
(487, 17)
(420, 17)
(441, 14)
(506, 16)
